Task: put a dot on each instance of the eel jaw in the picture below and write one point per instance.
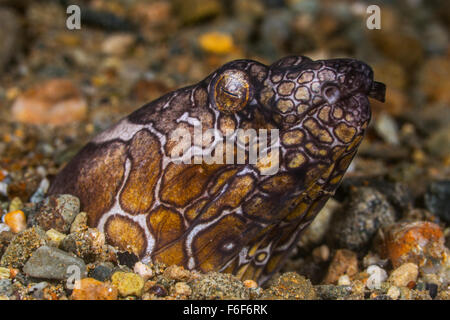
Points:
(378, 91)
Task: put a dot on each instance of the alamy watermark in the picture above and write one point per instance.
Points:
(74, 277)
(73, 21)
(239, 146)
(374, 20)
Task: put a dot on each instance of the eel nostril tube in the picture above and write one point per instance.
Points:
(378, 91)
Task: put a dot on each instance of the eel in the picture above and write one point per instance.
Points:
(164, 184)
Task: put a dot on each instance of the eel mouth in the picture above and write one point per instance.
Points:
(377, 91)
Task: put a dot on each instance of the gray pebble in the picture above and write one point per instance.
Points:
(398, 194)
(331, 292)
(102, 272)
(36, 290)
(358, 221)
(437, 199)
(52, 263)
(6, 287)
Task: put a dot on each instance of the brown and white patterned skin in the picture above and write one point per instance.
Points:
(227, 217)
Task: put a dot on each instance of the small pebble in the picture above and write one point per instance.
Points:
(317, 230)
(16, 220)
(251, 284)
(16, 204)
(376, 277)
(56, 102)
(37, 290)
(79, 223)
(321, 254)
(87, 244)
(359, 219)
(158, 290)
(332, 292)
(91, 289)
(404, 274)
(387, 128)
(182, 289)
(52, 263)
(393, 292)
(13, 272)
(118, 44)
(344, 262)
(4, 273)
(344, 280)
(419, 242)
(291, 286)
(216, 42)
(4, 227)
(102, 272)
(38, 196)
(6, 287)
(128, 284)
(178, 273)
(55, 237)
(143, 270)
(432, 289)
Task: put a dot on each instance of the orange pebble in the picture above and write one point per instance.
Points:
(13, 272)
(418, 242)
(216, 42)
(16, 220)
(251, 284)
(91, 289)
(55, 101)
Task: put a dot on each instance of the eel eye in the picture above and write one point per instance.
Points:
(231, 91)
(331, 93)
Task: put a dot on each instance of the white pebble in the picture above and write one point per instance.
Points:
(118, 44)
(4, 227)
(377, 276)
(344, 280)
(44, 185)
(3, 189)
(387, 128)
(143, 270)
(40, 170)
